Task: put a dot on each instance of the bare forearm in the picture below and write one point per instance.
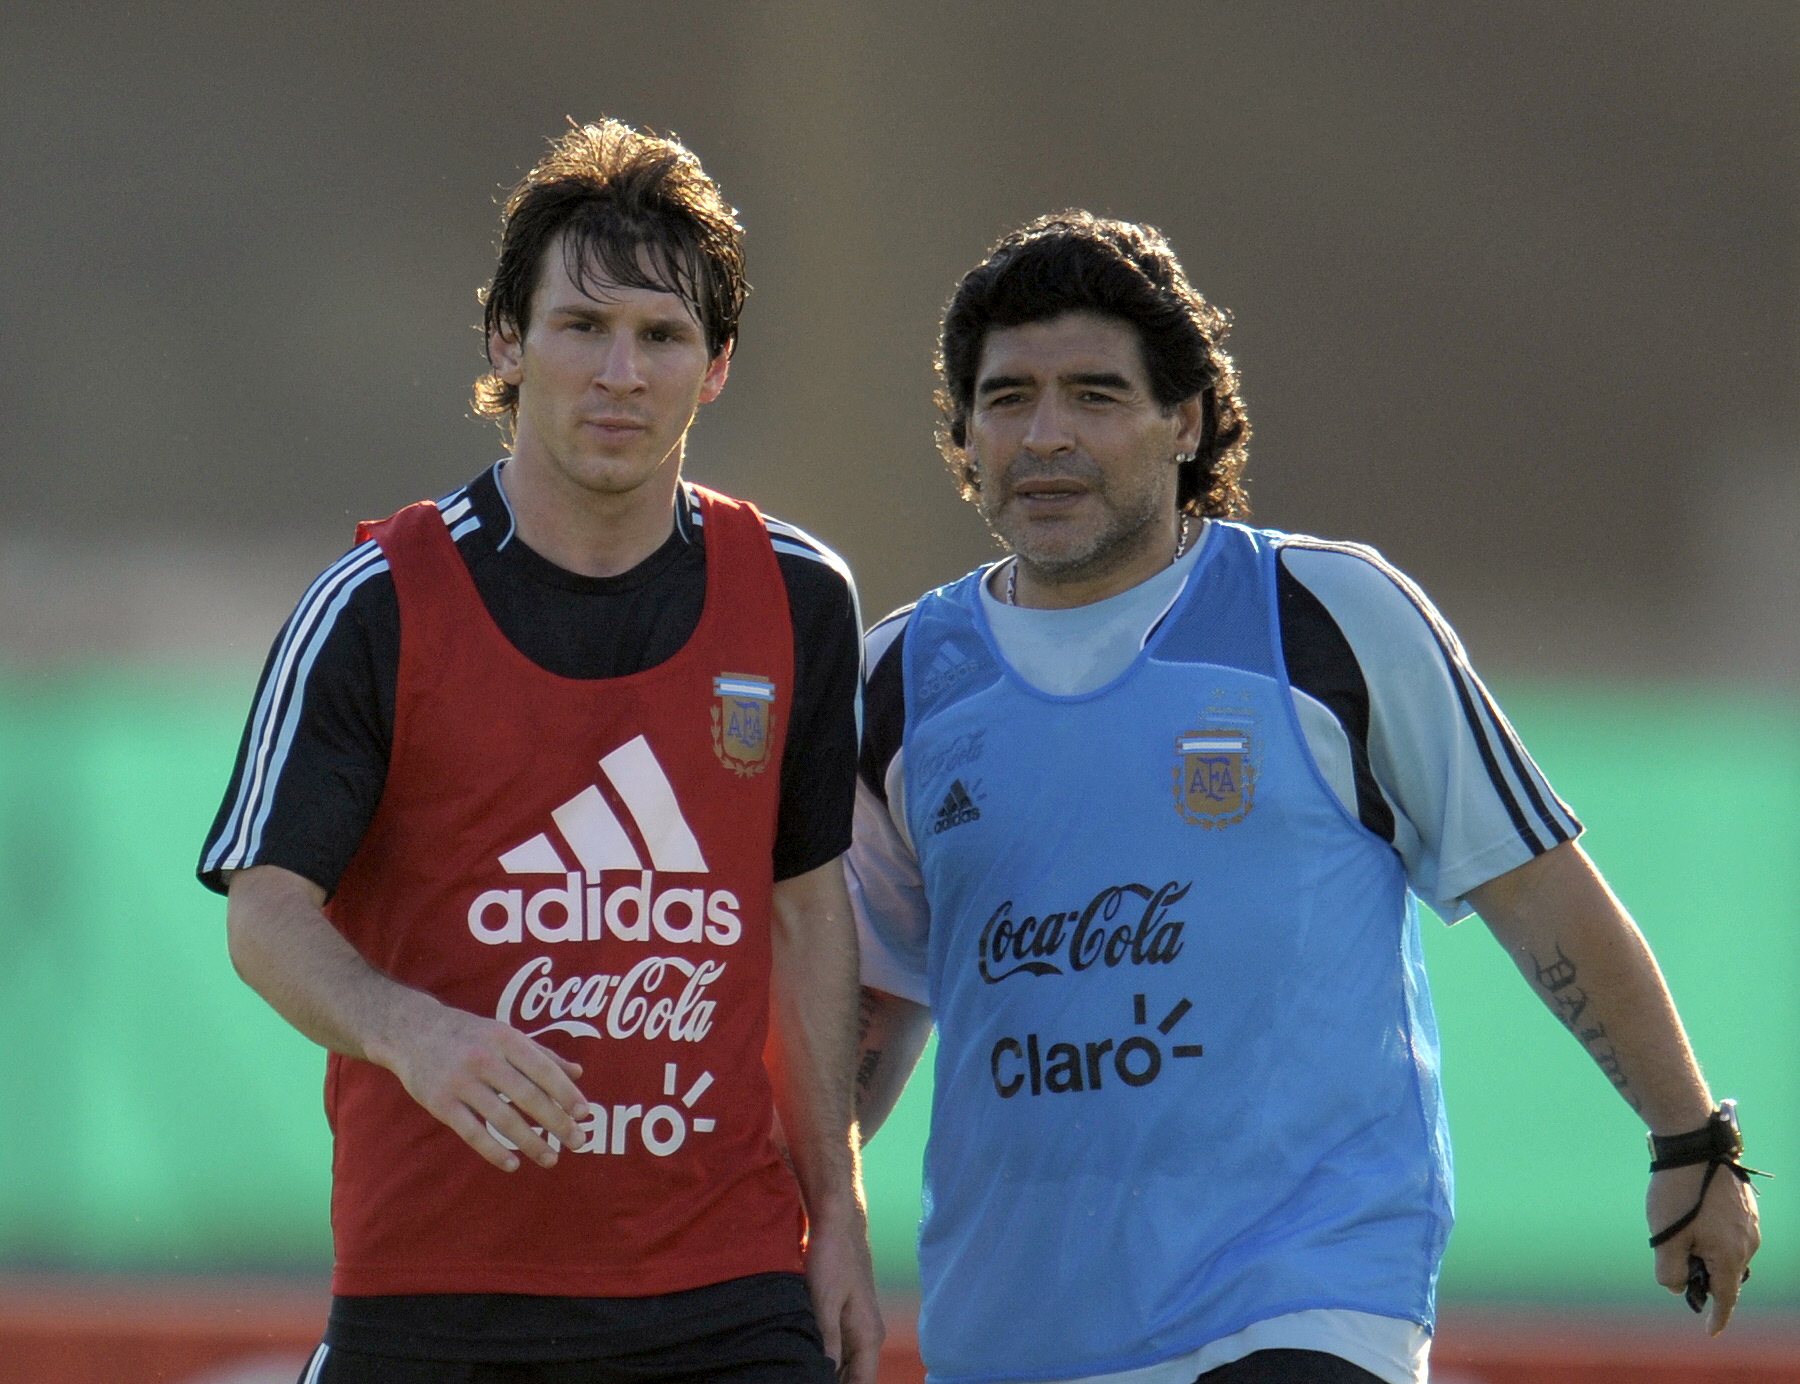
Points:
(812, 996)
(813, 991)
(891, 1033)
(286, 950)
(476, 1075)
(1583, 956)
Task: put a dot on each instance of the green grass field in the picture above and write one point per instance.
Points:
(160, 1117)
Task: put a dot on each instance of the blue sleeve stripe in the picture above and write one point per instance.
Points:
(1486, 724)
(279, 700)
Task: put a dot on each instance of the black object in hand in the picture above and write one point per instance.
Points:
(1699, 1283)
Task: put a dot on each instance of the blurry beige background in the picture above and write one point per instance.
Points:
(1516, 284)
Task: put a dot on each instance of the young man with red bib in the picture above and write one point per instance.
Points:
(536, 827)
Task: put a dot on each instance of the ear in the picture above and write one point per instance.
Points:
(713, 382)
(507, 354)
(1188, 416)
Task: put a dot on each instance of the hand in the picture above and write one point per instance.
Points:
(1723, 1236)
(472, 1072)
(841, 1283)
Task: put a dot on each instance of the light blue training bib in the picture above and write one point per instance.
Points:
(1187, 1065)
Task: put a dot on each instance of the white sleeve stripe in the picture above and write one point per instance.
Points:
(302, 617)
(454, 505)
(1484, 718)
(787, 539)
(290, 721)
(293, 659)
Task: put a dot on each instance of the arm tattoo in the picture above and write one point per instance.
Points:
(1559, 982)
(869, 1058)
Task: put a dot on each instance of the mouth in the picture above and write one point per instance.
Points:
(1047, 494)
(614, 427)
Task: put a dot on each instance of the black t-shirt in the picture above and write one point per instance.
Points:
(313, 761)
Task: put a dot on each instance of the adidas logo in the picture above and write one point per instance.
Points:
(958, 807)
(649, 835)
(949, 666)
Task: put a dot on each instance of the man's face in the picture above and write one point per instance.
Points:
(609, 378)
(1075, 458)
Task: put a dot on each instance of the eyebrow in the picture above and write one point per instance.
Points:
(594, 310)
(1105, 379)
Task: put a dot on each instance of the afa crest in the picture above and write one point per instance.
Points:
(742, 718)
(1215, 771)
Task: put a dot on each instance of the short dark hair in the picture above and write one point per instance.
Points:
(633, 207)
(1074, 261)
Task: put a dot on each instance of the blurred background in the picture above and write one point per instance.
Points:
(1516, 286)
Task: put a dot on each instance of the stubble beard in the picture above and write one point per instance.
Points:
(1129, 528)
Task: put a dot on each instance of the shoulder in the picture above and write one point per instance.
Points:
(792, 542)
(881, 645)
(1381, 611)
(359, 582)
(819, 582)
(357, 590)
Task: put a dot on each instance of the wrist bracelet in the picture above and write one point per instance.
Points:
(1719, 1140)
(1717, 1144)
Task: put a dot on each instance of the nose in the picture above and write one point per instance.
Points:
(620, 368)
(1047, 429)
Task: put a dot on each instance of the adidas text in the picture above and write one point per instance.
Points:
(958, 807)
(631, 912)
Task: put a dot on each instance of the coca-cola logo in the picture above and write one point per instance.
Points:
(1122, 923)
(659, 997)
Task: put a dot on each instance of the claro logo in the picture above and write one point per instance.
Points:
(580, 906)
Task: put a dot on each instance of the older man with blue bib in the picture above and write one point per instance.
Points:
(1146, 809)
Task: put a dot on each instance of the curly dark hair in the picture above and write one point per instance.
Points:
(633, 208)
(1074, 261)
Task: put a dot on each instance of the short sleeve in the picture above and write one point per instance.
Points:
(818, 765)
(312, 761)
(1468, 801)
(893, 919)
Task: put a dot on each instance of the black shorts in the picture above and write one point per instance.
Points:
(779, 1350)
(1289, 1367)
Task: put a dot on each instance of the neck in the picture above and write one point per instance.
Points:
(1020, 583)
(594, 533)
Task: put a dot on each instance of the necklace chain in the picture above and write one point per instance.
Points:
(1012, 568)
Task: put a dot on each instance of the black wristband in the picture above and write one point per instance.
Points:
(1717, 1141)
(1718, 1145)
